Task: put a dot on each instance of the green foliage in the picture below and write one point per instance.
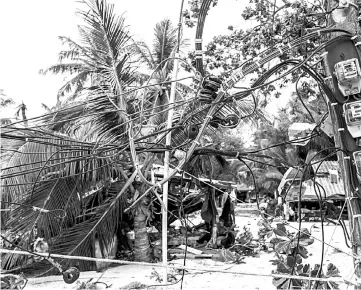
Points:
(243, 244)
(13, 281)
(226, 139)
(275, 25)
(67, 189)
(192, 14)
(65, 176)
(90, 285)
(102, 58)
(158, 59)
(290, 252)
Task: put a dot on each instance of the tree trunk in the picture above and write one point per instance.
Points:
(141, 240)
(110, 252)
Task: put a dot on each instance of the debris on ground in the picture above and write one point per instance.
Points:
(190, 249)
(90, 285)
(226, 256)
(134, 285)
(10, 281)
(170, 277)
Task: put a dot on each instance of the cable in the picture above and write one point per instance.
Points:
(209, 270)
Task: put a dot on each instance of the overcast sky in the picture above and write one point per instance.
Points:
(30, 30)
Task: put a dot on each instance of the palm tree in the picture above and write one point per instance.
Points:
(102, 57)
(158, 60)
(79, 167)
(83, 183)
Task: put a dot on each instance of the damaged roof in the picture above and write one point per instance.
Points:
(327, 182)
(326, 166)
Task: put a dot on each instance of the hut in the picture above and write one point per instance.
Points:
(326, 187)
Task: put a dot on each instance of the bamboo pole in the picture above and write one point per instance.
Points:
(166, 174)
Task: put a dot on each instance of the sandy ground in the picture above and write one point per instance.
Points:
(123, 275)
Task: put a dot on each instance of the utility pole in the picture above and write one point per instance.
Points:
(166, 173)
(341, 73)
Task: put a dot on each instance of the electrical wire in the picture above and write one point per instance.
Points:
(301, 64)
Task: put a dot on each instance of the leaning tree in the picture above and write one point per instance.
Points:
(74, 165)
(86, 163)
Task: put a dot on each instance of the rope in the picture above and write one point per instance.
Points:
(205, 269)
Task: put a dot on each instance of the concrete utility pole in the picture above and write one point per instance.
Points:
(345, 16)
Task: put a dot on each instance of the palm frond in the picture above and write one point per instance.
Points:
(144, 54)
(76, 82)
(68, 54)
(60, 176)
(71, 43)
(109, 37)
(101, 223)
(45, 107)
(76, 50)
(62, 68)
(63, 116)
(165, 40)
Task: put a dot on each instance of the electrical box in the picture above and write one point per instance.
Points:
(352, 112)
(357, 158)
(348, 75)
(299, 133)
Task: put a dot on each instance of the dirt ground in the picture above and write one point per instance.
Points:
(121, 276)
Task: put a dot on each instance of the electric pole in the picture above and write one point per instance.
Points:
(342, 67)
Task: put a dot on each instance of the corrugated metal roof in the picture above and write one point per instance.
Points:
(330, 189)
(326, 166)
(309, 190)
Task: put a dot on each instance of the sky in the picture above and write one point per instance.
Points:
(30, 39)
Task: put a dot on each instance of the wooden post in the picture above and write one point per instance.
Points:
(344, 17)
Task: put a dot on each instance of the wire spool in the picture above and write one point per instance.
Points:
(193, 131)
(71, 275)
